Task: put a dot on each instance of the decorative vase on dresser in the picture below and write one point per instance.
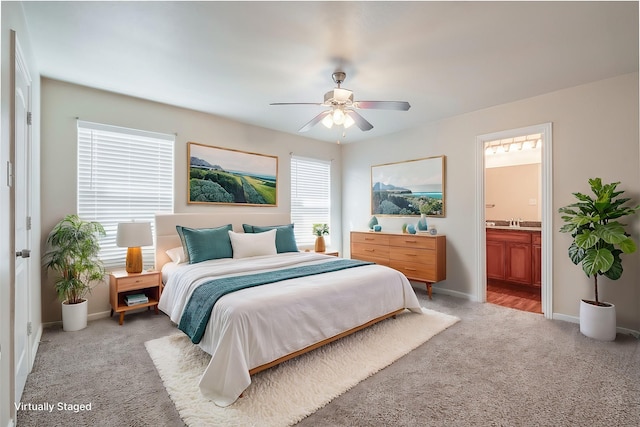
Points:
(422, 223)
(320, 245)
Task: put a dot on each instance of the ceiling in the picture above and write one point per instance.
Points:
(233, 59)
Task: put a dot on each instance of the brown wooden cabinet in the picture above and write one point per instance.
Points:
(536, 259)
(122, 284)
(513, 257)
(420, 257)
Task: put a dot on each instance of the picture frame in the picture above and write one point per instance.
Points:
(218, 175)
(409, 188)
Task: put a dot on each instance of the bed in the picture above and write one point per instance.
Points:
(257, 327)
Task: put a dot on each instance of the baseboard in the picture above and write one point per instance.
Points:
(35, 346)
(576, 319)
(99, 315)
(90, 317)
(439, 290)
(457, 294)
(566, 318)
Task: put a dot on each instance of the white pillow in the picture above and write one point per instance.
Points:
(253, 244)
(176, 255)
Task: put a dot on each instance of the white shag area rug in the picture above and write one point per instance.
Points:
(285, 394)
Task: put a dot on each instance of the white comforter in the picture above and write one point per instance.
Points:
(254, 326)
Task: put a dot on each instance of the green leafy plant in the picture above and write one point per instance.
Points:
(598, 238)
(72, 252)
(320, 229)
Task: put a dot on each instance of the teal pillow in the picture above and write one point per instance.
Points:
(202, 244)
(285, 239)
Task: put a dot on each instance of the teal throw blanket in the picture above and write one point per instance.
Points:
(198, 310)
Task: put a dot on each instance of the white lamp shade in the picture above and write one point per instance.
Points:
(134, 234)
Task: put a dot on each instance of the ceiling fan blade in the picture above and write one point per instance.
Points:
(383, 105)
(359, 120)
(296, 103)
(314, 121)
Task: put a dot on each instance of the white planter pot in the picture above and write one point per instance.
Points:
(74, 316)
(598, 322)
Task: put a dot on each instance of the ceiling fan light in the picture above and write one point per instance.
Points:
(328, 121)
(348, 122)
(338, 116)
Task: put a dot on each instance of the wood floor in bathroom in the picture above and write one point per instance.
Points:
(515, 296)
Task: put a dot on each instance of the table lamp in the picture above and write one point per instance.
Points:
(133, 235)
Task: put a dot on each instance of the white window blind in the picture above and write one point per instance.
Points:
(123, 175)
(310, 198)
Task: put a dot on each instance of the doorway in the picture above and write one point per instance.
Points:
(512, 262)
(512, 168)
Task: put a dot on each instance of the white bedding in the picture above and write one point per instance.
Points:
(254, 326)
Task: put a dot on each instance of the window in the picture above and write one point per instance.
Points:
(123, 175)
(310, 197)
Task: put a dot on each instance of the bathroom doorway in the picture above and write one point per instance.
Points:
(514, 213)
(512, 189)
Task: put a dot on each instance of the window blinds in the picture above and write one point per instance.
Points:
(310, 197)
(123, 175)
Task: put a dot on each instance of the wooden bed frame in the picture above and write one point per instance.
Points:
(166, 237)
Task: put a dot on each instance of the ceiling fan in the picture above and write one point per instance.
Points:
(342, 107)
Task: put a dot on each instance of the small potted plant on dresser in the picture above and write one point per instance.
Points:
(598, 241)
(72, 252)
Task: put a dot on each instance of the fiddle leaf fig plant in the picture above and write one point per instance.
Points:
(72, 252)
(598, 238)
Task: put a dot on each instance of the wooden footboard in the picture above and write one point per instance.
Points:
(323, 342)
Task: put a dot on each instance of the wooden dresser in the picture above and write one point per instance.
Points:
(421, 257)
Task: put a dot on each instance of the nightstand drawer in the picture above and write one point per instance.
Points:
(137, 282)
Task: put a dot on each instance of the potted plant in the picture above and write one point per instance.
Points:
(72, 252)
(598, 241)
(320, 230)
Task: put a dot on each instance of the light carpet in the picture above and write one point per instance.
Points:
(284, 395)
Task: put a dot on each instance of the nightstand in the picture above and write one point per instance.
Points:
(332, 253)
(122, 284)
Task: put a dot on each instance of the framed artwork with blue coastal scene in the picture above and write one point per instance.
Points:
(409, 188)
(225, 176)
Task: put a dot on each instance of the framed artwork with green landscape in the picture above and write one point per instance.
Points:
(409, 188)
(222, 175)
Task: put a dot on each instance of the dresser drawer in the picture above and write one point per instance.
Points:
(370, 238)
(414, 270)
(369, 250)
(379, 261)
(413, 241)
(423, 256)
(137, 282)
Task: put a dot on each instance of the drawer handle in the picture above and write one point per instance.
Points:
(411, 254)
(370, 250)
(410, 269)
(411, 241)
(369, 238)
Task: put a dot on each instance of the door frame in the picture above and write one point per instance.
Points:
(21, 172)
(547, 211)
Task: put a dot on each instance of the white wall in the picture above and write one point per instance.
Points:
(513, 192)
(595, 133)
(63, 102)
(13, 19)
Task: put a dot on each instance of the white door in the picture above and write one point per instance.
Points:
(21, 188)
